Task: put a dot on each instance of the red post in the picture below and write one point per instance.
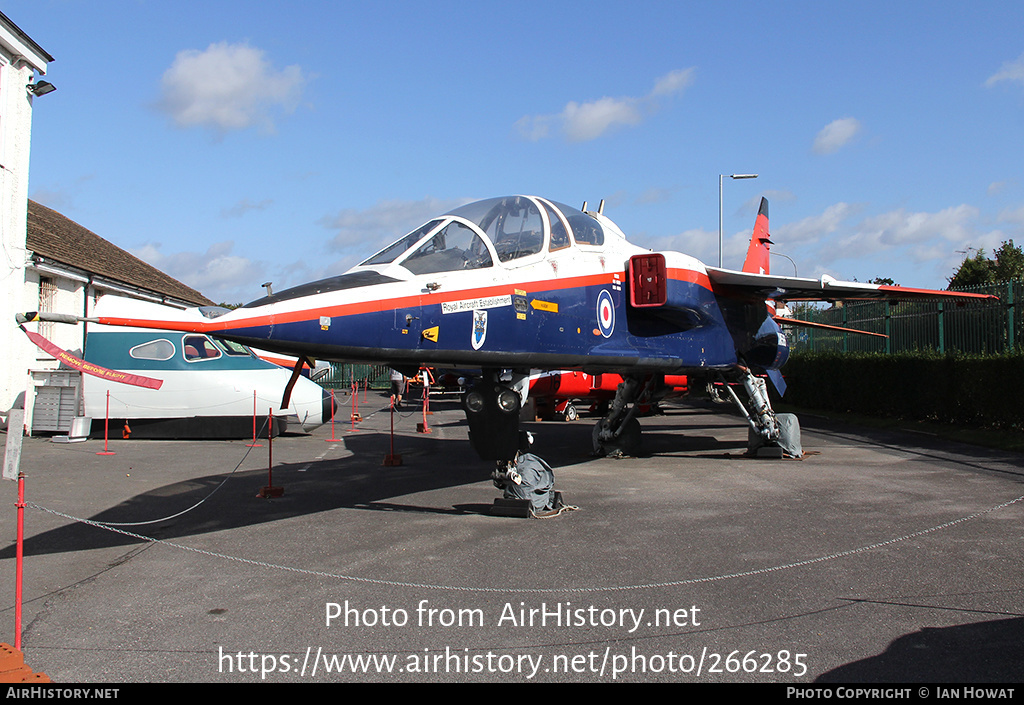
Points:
(355, 402)
(423, 427)
(426, 402)
(106, 430)
(270, 491)
(254, 444)
(392, 459)
(18, 561)
(334, 436)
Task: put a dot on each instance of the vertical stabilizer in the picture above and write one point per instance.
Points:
(757, 253)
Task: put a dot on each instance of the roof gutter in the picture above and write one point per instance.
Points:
(40, 264)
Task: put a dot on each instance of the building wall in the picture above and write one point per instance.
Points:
(15, 134)
(62, 290)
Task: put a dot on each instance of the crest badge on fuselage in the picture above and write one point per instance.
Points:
(479, 328)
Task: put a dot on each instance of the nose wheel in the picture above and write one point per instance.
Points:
(492, 410)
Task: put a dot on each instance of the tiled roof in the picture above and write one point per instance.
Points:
(56, 237)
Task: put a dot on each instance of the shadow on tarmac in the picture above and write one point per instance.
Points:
(982, 652)
(358, 481)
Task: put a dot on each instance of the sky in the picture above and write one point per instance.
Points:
(233, 143)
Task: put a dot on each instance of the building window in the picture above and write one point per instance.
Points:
(47, 296)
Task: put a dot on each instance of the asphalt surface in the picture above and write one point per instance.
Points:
(882, 556)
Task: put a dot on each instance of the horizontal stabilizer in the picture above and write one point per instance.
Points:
(786, 321)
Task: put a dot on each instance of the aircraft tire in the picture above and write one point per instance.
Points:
(627, 443)
(570, 413)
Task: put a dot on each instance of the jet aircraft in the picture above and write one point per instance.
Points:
(555, 394)
(508, 285)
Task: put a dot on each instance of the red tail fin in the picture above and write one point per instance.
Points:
(757, 253)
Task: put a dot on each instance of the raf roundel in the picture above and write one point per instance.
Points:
(605, 313)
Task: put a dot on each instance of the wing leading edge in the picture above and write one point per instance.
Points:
(771, 286)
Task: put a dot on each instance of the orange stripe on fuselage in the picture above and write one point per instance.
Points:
(691, 276)
(429, 299)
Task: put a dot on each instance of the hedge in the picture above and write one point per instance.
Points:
(972, 390)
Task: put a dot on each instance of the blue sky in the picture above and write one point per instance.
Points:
(232, 143)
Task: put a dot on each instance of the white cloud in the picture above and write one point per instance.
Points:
(813, 228)
(1012, 71)
(897, 228)
(654, 195)
(836, 135)
(228, 87)
(921, 242)
(751, 206)
(244, 206)
(673, 82)
(534, 127)
(371, 229)
(217, 273)
(696, 242)
(916, 248)
(1012, 215)
(582, 122)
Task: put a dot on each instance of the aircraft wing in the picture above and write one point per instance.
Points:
(771, 286)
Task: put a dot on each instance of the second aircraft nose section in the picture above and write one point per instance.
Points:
(311, 403)
(326, 411)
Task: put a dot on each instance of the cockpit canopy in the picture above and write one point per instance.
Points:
(509, 229)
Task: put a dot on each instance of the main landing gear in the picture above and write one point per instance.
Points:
(618, 434)
(771, 434)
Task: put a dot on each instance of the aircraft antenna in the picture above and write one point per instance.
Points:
(584, 208)
(600, 208)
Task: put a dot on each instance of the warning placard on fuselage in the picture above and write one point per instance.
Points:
(471, 304)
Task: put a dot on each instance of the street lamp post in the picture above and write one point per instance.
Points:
(720, 177)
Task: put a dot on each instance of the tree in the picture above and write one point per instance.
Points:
(973, 271)
(1008, 264)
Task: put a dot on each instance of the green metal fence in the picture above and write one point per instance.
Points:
(945, 326)
(342, 375)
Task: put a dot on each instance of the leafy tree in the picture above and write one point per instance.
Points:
(973, 271)
(1008, 264)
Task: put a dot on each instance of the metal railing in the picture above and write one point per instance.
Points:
(342, 375)
(978, 327)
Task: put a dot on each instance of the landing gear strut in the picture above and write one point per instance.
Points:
(618, 433)
(760, 414)
(492, 407)
(771, 434)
